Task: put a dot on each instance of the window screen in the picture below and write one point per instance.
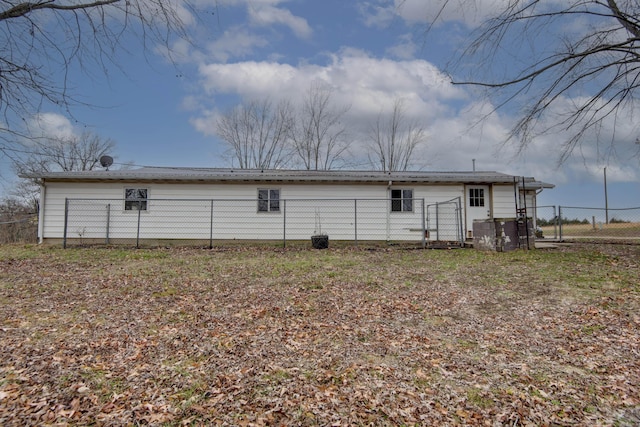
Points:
(268, 200)
(135, 199)
(401, 200)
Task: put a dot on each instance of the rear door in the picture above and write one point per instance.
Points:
(478, 205)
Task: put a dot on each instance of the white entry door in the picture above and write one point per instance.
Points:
(478, 205)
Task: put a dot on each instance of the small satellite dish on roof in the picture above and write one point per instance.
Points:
(106, 161)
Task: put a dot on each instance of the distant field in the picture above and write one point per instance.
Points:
(265, 336)
(631, 229)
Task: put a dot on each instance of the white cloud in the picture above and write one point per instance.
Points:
(460, 127)
(206, 122)
(235, 42)
(50, 125)
(471, 13)
(248, 79)
(405, 49)
(266, 15)
(377, 15)
(367, 85)
(268, 12)
(239, 39)
(362, 81)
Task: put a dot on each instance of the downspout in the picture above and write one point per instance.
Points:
(41, 205)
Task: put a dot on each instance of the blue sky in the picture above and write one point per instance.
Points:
(371, 52)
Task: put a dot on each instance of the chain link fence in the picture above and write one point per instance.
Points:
(354, 221)
(444, 222)
(599, 224)
(18, 228)
(588, 224)
(219, 222)
(545, 221)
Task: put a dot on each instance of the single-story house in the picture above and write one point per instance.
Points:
(211, 203)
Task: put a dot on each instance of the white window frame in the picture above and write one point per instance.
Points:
(405, 200)
(477, 197)
(271, 206)
(143, 203)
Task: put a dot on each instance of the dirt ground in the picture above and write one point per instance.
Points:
(258, 336)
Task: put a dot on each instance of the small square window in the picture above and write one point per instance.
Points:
(268, 200)
(402, 200)
(135, 199)
(476, 197)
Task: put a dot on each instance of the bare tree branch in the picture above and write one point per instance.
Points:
(73, 153)
(257, 134)
(394, 139)
(595, 66)
(319, 135)
(28, 7)
(42, 40)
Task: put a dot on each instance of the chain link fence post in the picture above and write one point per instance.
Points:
(284, 223)
(355, 220)
(66, 223)
(560, 222)
(555, 223)
(106, 238)
(459, 220)
(138, 228)
(424, 225)
(211, 224)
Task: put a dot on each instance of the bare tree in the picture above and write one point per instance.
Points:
(257, 134)
(50, 154)
(572, 65)
(318, 136)
(73, 153)
(394, 139)
(43, 39)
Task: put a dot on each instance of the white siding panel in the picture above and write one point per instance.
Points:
(504, 201)
(55, 203)
(183, 211)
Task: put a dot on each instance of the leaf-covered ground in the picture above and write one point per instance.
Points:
(260, 336)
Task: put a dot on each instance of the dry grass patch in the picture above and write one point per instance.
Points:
(630, 230)
(248, 336)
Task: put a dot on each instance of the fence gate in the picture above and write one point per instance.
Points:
(444, 222)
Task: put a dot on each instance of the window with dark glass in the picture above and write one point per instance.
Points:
(476, 197)
(135, 199)
(268, 200)
(401, 200)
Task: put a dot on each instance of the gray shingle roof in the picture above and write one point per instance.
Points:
(183, 174)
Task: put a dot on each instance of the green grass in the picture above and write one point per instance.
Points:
(197, 331)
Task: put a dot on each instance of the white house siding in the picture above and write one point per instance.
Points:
(183, 211)
(528, 200)
(504, 201)
(55, 195)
